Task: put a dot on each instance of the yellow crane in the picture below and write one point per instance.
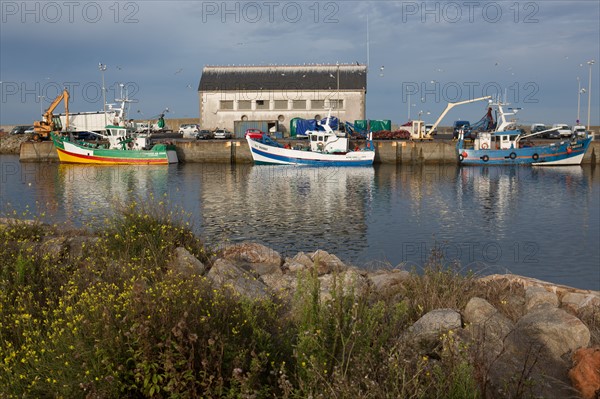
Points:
(50, 123)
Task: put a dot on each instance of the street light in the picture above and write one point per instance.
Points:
(580, 91)
(102, 68)
(590, 63)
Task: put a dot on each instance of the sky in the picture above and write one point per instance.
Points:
(420, 55)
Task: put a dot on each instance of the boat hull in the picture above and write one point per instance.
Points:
(69, 152)
(266, 154)
(562, 153)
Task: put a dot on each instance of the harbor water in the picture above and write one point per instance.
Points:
(532, 221)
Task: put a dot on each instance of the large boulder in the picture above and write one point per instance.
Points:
(574, 302)
(533, 359)
(538, 296)
(186, 264)
(585, 374)
(347, 282)
(250, 255)
(388, 282)
(326, 263)
(428, 329)
(300, 261)
(225, 273)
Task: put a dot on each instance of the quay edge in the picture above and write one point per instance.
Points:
(237, 152)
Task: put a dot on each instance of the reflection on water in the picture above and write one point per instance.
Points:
(539, 222)
(291, 208)
(91, 191)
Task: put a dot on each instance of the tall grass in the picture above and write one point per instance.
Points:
(116, 322)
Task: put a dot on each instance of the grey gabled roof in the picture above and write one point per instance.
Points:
(288, 77)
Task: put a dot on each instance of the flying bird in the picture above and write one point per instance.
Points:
(179, 71)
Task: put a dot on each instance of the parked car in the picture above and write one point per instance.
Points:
(465, 125)
(563, 129)
(20, 129)
(254, 133)
(189, 130)
(553, 134)
(204, 135)
(29, 130)
(538, 127)
(222, 134)
(86, 136)
(579, 130)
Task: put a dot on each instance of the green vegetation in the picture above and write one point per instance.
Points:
(110, 319)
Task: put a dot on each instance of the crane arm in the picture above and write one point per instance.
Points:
(452, 105)
(45, 126)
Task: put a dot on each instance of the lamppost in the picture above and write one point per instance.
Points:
(409, 105)
(41, 98)
(337, 101)
(579, 93)
(102, 68)
(590, 63)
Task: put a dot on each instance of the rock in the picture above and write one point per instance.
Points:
(556, 330)
(574, 301)
(80, 246)
(327, 263)
(539, 296)
(283, 285)
(431, 325)
(300, 261)
(486, 319)
(351, 281)
(225, 273)
(254, 256)
(186, 264)
(532, 360)
(585, 374)
(388, 282)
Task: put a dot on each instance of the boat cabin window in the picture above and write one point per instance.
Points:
(313, 138)
(320, 138)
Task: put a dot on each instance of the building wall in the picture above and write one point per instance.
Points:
(222, 109)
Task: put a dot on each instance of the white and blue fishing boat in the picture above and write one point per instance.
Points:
(325, 148)
(503, 143)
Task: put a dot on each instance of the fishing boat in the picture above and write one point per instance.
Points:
(122, 146)
(501, 142)
(120, 143)
(325, 148)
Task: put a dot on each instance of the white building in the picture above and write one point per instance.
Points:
(232, 94)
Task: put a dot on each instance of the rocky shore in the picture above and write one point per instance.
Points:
(539, 339)
(544, 332)
(10, 144)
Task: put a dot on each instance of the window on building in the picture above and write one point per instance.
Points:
(244, 104)
(281, 104)
(317, 104)
(336, 104)
(262, 104)
(226, 104)
(299, 104)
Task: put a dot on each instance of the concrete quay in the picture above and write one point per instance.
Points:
(237, 152)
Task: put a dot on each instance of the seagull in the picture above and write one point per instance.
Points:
(189, 86)
(119, 68)
(179, 71)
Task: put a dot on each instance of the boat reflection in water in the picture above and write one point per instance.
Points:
(290, 208)
(91, 192)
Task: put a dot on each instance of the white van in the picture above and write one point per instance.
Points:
(563, 129)
(579, 130)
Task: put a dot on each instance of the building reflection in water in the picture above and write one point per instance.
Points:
(290, 209)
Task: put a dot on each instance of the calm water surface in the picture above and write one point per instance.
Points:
(537, 222)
